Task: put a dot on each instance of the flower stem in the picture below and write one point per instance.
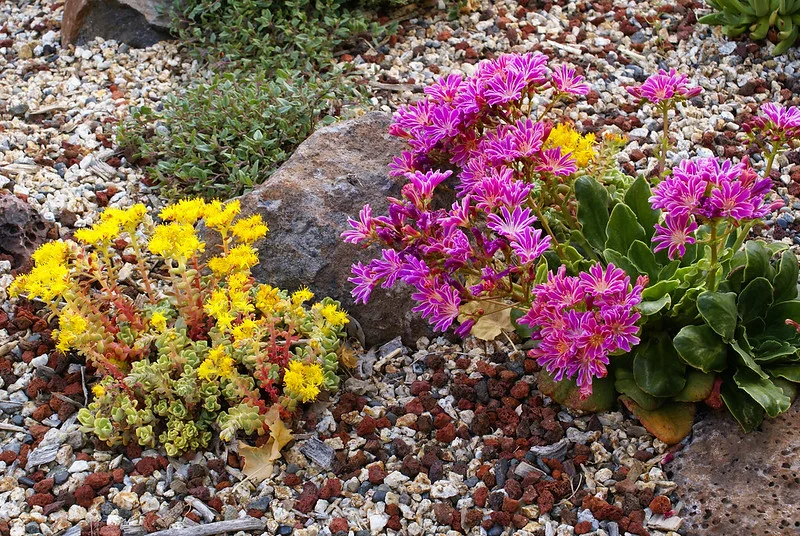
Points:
(711, 279)
(662, 157)
(770, 160)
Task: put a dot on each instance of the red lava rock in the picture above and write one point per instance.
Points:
(441, 420)
(376, 473)
(444, 35)
(443, 513)
(521, 390)
(545, 501)
(291, 480)
(40, 499)
(110, 530)
(118, 475)
(306, 501)
(215, 503)
(331, 488)
(415, 407)
(98, 480)
(500, 518)
(146, 466)
(35, 387)
(420, 386)
(471, 54)
(366, 426)
(200, 492)
(339, 524)
(510, 505)
(660, 505)
(480, 496)
(394, 523)
(44, 486)
(84, 495)
(474, 518)
(583, 527)
(626, 486)
(8, 457)
(424, 423)
(446, 434)
(513, 488)
(602, 510)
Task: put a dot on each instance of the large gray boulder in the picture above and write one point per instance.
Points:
(306, 204)
(139, 23)
(734, 483)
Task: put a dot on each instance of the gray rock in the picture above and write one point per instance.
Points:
(139, 23)
(318, 452)
(738, 483)
(306, 204)
(22, 229)
(42, 455)
(18, 110)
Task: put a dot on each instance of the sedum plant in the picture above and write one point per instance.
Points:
(652, 293)
(757, 17)
(187, 343)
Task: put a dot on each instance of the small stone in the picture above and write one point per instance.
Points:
(377, 522)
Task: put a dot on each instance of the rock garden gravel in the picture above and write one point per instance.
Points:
(438, 439)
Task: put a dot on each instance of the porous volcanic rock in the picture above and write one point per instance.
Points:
(22, 229)
(738, 483)
(139, 23)
(306, 204)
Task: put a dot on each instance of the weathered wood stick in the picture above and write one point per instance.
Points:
(210, 529)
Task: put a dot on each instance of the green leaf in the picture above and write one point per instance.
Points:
(776, 320)
(768, 395)
(698, 387)
(789, 372)
(742, 406)
(702, 348)
(541, 273)
(755, 299)
(621, 261)
(567, 393)
(718, 309)
(745, 353)
(622, 229)
(772, 350)
(785, 281)
(649, 308)
(657, 368)
(660, 289)
(668, 271)
(757, 260)
(642, 257)
(592, 210)
(637, 198)
(670, 423)
(524, 331)
(625, 384)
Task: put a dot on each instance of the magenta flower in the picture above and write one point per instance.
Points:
(505, 88)
(679, 195)
(532, 67)
(403, 164)
(675, 234)
(730, 200)
(601, 282)
(621, 324)
(438, 302)
(665, 86)
(365, 280)
(781, 117)
(510, 224)
(526, 138)
(445, 122)
(363, 229)
(565, 80)
(445, 89)
(553, 162)
(389, 268)
(529, 245)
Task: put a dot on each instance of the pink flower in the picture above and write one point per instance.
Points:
(363, 229)
(511, 223)
(529, 245)
(553, 162)
(445, 89)
(675, 234)
(781, 117)
(565, 80)
(621, 324)
(527, 138)
(445, 123)
(531, 66)
(730, 200)
(665, 86)
(438, 302)
(365, 280)
(403, 164)
(389, 268)
(504, 88)
(600, 282)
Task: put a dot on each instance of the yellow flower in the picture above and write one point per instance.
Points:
(186, 211)
(98, 390)
(266, 298)
(334, 315)
(248, 230)
(570, 141)
(301, 296)
(303, 380)
(206, 370)
(217, 364)
(55, 252)
(239, 258)
(71, 326)
(176, 241)
(46, 282)
(158, 321)
(127, 219)
(245, 330)
(218, 307)
(102, 232)
(219, 217)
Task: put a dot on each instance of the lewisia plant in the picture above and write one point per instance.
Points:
(608, 278)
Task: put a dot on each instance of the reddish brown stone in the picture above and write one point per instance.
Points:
(291, 480)
(376, 473)
(420, 386)
(8, 457)
(394, 523)
(98, 480)
(474, 518)
(545, 501)
(331, 488)
(110, 530)
(308, 499)
(146, 466)
(339, 524)
(44, 486)
(584, 527)
(366, 426)
(510, 505)
(480, 496)
(446, 434)
(84, 495)
(118, 475)
(660, 505)
(40, 499)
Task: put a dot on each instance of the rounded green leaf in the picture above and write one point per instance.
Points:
(592, 210)
(637, 197)
(623, 229)
(625, 384)
(785, 281)
(719, 311)
(567, 393)
(698, 387)
(742, 406)
(702, 348)
(657, 369)
(755, 299)
(768, 395)
(670, 423)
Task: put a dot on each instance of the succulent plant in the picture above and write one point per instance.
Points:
(757, 17)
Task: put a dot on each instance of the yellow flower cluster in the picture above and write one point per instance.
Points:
(334, 315)
(158, 321)
(176, 241)
(570, 141)
(226, 304)
(49, 278)
(303, 380)
(112, 222)
(218, 364)
(239, 258)
(71, 326)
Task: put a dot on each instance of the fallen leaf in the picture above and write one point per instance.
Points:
(495, 319)
(347, 357)
(259, 461)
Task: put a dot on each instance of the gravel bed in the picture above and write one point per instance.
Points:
(440, 439)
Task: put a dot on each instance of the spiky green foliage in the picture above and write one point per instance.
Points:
(757, 17)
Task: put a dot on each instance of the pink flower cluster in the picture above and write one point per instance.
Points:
(706, 189)
(485, 245)
(777, 123)
(580, 320)
(665, 87)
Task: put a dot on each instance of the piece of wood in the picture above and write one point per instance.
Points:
(211, 529)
